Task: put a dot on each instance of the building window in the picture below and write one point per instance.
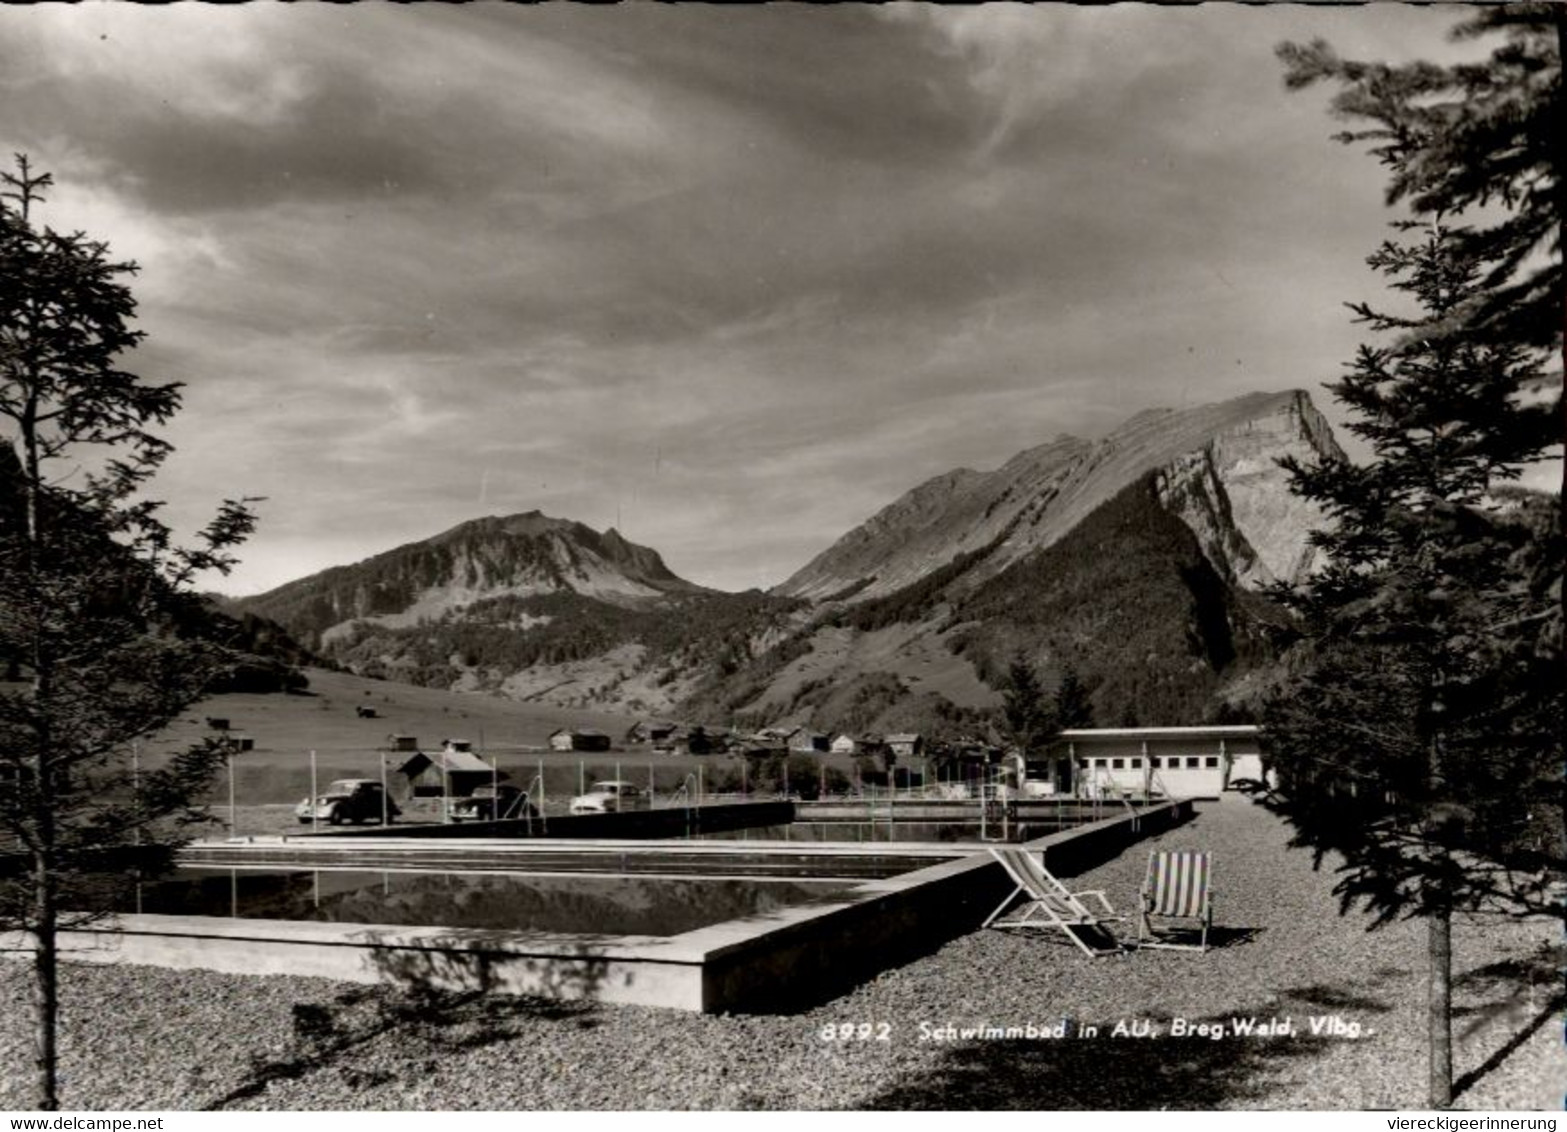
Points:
(1117, 764)
(1137, 764)
(1193, 762)
(1082, 764)
(1154, 762)
(1211, 760)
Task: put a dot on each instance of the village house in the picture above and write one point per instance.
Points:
(648, 731)
(764, 743)
(803, 740)
(692, 740)
(845, 745)
(906, 745)
(575, 739)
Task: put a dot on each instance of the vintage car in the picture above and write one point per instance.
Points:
(491, 803)
(348, 800)
(609, 797)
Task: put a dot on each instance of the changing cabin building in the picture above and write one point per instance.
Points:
(1179, 762)
(449, 772)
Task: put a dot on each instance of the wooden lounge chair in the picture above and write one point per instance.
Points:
(1049, 904)
(1177, 887)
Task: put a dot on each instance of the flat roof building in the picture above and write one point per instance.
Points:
(1178, 762)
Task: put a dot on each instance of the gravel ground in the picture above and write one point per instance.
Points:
(146, 1038)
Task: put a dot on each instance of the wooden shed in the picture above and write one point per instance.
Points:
(572, 739)
(806, 741)
(447, 772)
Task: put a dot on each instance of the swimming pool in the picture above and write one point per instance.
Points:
(579, 903)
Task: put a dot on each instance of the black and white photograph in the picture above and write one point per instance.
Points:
(646, 557)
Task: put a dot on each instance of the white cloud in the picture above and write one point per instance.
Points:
(710, 289)
(212, 62)
(1021, 59)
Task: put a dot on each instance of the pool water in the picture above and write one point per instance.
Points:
(907, 832)
(584, 903)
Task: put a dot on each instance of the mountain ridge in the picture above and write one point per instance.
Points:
(1043, 492)
(905, 621)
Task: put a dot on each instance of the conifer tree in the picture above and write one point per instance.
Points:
(1072, 706)
(1027, 719)
(1425, 741)
(1486, 139)
(1423, 734)
(97, 614)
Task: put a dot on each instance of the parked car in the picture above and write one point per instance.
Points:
(348, 800)
(491, 803)
(609, 797)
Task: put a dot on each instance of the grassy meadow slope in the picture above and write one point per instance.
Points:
(286, 728)
(1127, 599)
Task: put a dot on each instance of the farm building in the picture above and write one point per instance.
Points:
(649, 731)
(447, 772)
(906, 745)
(402, 742)
(572, 739)
(806, 741)
(1181, 762)
(845, 745)
(767, 741)
(693, 740)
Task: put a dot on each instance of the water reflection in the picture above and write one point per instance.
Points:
(612, 905)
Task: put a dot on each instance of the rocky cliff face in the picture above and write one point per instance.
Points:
(1215, 468)
(1236, 499)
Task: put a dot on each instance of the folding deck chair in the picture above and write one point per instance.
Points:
(1050, 904)
(1176, 887)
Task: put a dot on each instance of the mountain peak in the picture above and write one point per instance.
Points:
(521, 555)
(1041, 493)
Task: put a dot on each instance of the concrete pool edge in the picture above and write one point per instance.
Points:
(811, 953)
(771, 961)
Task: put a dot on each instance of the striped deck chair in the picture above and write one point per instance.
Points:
(1176, 887)
(1049, 904)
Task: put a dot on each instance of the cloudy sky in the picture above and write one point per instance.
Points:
(731, 280)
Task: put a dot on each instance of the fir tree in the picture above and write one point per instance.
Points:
(1026, 719)
(1422, 732)
(96, 607)
(1072, 706)
(1486, 138)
